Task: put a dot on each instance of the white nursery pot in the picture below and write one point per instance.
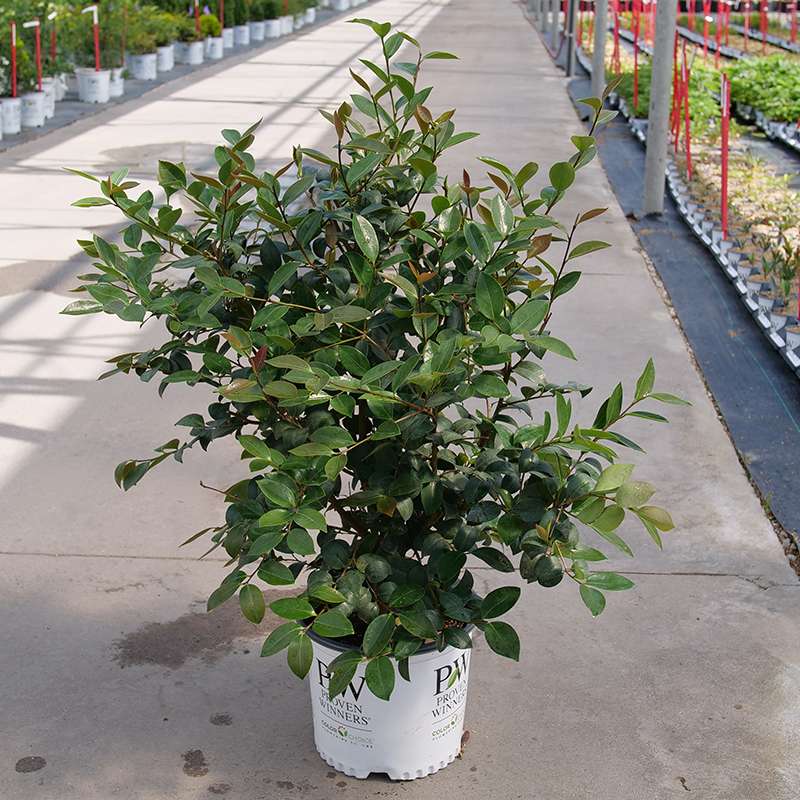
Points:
(179, 51)
(311, 16)
(49, 89)
(415, 733)
(216, 48)
(287, 24)
(194, 53)
(32, 109)
(11, 113)
(257, 31)
(227, 38)
(299, 21)
(241, 35)
(143, 66)
(272, 29)
(116, 85)
(340, 5)
(60, 84)
(165, 59)
(93, 85)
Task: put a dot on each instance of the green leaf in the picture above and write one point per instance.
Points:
(292, 608)
(657, 516)
(439, 54)
(300, 542)
(494, 558)
(458, 637)
(342, 670)
(528, 316)
(488, 384)
(671, 399)
(281, 638)
(277, 493)
(288, 362)
(584, 248)
(277, 517)
(553, 345)
(610, 519)
(497, 602)
(366, 238)
(502, 215)
(406, 595)
(78, 307)
(311, 450)
(418, 624)
(633, 494)
(380, 677)
(609, 581)
(646, 380)
(225, 591)
(327, 594)
(300, 656)
(489, 297)
(378, 634)
(477, 242)
(562, 174)
(333, 624)
(613, 477)
(276, 573)
(593, 599)
(251, 600)
(334, 465)
(265, 543)
(332, 436)
(310, 519)
(502, 638)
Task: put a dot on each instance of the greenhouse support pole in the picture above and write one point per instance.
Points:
(570, 31)
(658, 118)
(555, 20)
(599, 52)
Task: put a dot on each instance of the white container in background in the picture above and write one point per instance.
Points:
(298, 21)
(33, 110)
(311, 16)
(227, 38)
(324, 3)
(11, 114)
(49, 89)
(194, 53)
(179, 51)
(93, 85)
(241, 35)
(60, 86)
(340, 5)
(257, 31)
(272, 29)
(415, 733)
(143, 66)
(116, 85)
(216, 48)
(287, 24)
(165, 61)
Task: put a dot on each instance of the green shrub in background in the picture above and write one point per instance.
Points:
(241, 12)
(770, 84)
(210, 25)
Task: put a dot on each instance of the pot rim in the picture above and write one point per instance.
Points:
(335, 644)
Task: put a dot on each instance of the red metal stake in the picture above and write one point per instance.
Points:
(793, 12)
(690, 10)
(51, 17)
(675, 119)
(763, 20)
(197, 16)
(725, 100)
(96, 31)
(717, 36)
(37, 38)
(13, 58)
(222, 13)
(615, 53)
(636, 20)
(685, 77)
(746, 23)
(706, 20)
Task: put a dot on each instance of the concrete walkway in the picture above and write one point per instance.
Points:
(115, 683)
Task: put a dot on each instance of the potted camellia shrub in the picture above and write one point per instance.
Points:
(227, 17)
(212, 31)
(310, 11)
(340, 5)
(257, 21)
(241, 18)
(190, 49)
(142, 60)
(287, 16)
(373, 335)
(165, 28)
(11, 103)
(272, 23)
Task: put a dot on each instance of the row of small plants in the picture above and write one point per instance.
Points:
(127, 27)
(762, 208)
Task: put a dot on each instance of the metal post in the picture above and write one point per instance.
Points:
(555, 14)
(658, 119)
(599, 53)
(570, 23)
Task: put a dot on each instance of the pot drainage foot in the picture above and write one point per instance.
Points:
(344, 768)
(361, 774)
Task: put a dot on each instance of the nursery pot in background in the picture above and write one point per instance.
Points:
(11, 114)
(241, 35)
(143, 66)
(216, 48)
(287, 24)
(227, 38)
(415, 733)
(33, 109)
(60, 83)
(165, 58)
(299, 21)
(311, 16)
(116, 85)
(272, 29)
(194, 53)
(49, 89)
(93, 85)
(257, 31)
(340, 5)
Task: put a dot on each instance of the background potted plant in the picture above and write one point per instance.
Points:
(33, 99)
(286, 17)
(340, 5)
(297, 9)
(310, 11)
(227, 17)
(165, 29)
(241, 18)
(11, 106)
(380, 366)
(142, 59)
(190, 48)
(257, 21)
(212, 31)
(272, 23)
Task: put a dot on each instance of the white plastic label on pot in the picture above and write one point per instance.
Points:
(11, 111)
(227, 38)
(93, 85)
(241, 35)
(143, 66)
(165, 60)
(272, 28)
(415, 733)
(216, 48)
(33, 109)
